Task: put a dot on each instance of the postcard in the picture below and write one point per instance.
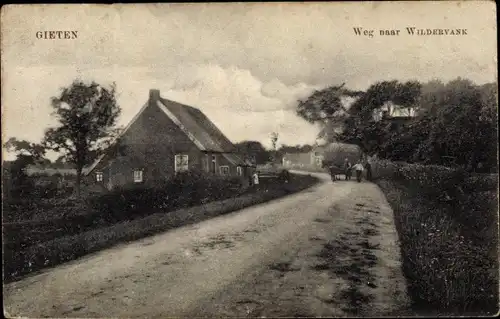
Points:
(282, 159)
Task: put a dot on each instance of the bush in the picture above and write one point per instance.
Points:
(447, 224)
(182, 190)
(432, 180)
(49, 244)
(448, 270)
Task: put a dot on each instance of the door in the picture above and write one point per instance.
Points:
(214, 164)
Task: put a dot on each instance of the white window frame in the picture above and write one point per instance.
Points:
(176, 169)
(239, 170)
(138, 176)
(99, 176)
(224, 167)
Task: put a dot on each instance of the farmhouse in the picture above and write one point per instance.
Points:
(166, 137)
(309, 159)
(323, 154)
(296, 160)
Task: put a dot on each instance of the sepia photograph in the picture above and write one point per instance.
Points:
(250, 160)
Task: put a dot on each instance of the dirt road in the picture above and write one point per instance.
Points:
(331, 250)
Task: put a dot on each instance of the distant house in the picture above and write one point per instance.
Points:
(296, 159)
(320, 155)
(310, 159)
(164, 138)
(391, 110)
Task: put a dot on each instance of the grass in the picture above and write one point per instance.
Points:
(451, 266)
(20, 262)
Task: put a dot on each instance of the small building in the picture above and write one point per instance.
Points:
(332, 153)
(164, 138)
(312, 159)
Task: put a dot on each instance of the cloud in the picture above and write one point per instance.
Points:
(245, 65)
(231, 97)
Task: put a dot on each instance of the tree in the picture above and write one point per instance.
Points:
(461, 122)
(87, 115)
(327, 107)
(454, 120)
(295, 149)
(25, 148)
(356, 123)
(362, 128)
(336, 153)
(253, 151)
(27, 153)
(274, 141)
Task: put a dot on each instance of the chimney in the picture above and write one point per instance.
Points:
(154, 95)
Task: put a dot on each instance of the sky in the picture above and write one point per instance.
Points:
(244, 65)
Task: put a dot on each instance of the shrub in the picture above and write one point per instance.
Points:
(50, 243)
(447, 267)
(447, 221)
(182, 190)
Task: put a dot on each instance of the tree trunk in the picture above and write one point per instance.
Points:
(78, 181)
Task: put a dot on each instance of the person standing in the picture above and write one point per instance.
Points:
(256, 178)
(368, 167)
(331, 168)
(347, 168)
(359, 170)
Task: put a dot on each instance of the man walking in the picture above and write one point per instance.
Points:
(359, 170)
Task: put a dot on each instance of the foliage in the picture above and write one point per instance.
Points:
(327, 107)
(25, 148)
(461, 123)
(183, 189)
(447, 225)
(253, 150)
(295, 149)
(324, 104)
(38, 245)
(455, 120)
(336, 153)
(87, 115)
(17, 182)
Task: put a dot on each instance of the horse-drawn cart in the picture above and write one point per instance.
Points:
(335, 171)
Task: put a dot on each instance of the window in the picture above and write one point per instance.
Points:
(239, 171)
(181, 163)
(224, 170)
(98, 176)
(138, 176)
